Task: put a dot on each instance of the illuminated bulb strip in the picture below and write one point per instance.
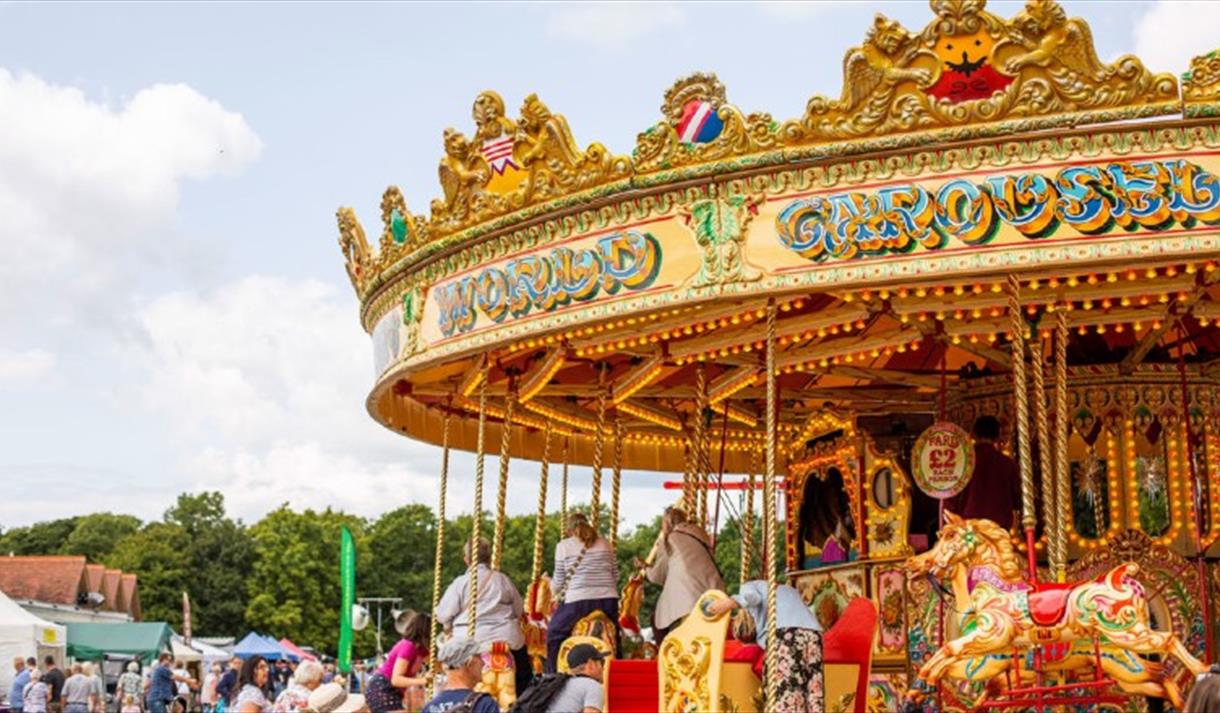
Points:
(741, 416)
(819, 424)
(729, 383)
(567, 419)
(654, 416)
(474, 377)
(841, 456)
(639, 377)
(537, 379)
(472, 406)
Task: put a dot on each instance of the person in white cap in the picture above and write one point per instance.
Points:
(463, 670)
(332, 698)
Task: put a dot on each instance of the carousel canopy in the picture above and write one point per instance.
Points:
(902, 232)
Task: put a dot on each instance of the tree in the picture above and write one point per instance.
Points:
(293, 587)
(221, 553)
(158, 554)
(42, 538)
(95, 536)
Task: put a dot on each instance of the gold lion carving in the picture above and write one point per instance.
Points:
(555, 162)
(355, 247)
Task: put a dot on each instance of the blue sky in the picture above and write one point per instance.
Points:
(174, 313)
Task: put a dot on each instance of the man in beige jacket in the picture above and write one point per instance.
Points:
(681, 562)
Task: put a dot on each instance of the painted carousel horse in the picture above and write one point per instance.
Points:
(538, 607)
(596, 625)
(499, 675)
(1001, 613)
(629, 603)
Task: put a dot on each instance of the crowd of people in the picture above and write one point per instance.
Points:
(585, 581)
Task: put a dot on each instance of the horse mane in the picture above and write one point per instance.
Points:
(1009, 563)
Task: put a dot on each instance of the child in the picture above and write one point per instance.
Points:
(130, 705)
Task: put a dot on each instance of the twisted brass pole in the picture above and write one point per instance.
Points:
(599, 438)
(540, 521)
(769, 515)
(1050, 516)
(434, 624)
(688, 479)
(747, 521)
(563, 489)
(497, 545)
(1017, 338)
(1063, 472)
(701, 458)
(616, 478)
(476, 522)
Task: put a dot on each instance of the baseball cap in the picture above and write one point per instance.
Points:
(581, 654)
(456, 652)
(331, 698)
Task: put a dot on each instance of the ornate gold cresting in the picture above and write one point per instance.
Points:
(1201, 86)
(967, 74)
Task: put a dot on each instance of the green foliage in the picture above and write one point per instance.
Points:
(42, 538)
(293, 588)
(159, 555)
(221, 552)
(95, 536)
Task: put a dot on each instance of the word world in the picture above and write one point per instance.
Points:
(544, 281)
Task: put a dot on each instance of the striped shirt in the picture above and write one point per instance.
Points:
(596, 577)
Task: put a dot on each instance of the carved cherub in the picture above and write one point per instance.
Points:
(488, 113)
(462, 172)
(876, 62)
(1050, 36)
(542, 133)
(354, 244)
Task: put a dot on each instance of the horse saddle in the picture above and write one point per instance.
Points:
(1048, 602)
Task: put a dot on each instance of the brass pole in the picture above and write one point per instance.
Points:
(769, 514)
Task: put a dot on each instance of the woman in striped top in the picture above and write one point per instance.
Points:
(586, 580)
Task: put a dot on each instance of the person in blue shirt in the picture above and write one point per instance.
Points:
(798, 641)
(463, 671)
(21, 678)
(161, 688)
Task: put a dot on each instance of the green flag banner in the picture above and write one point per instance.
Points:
(347, 579)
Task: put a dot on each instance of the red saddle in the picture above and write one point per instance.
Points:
(1048, 602)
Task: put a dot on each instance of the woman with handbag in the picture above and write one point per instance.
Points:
(682, 563)
(586, 580)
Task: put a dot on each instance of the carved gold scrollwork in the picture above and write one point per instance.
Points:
(720, 227)
(685, 679)
(355, 247)
(1201, 86)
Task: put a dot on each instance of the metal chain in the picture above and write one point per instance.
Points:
(476, 521)
(769, 515)
(1063, 472)
(434, 624)
(1049, 515)
(616, 478)
(1017, 338)
(506, 428)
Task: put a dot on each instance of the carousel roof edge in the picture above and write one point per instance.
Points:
(969, 75)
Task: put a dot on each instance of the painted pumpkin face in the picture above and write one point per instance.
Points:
(966, 71)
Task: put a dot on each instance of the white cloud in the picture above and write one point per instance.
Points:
(20, 367)
(88, 189)
(1172, 32)
(611, 25)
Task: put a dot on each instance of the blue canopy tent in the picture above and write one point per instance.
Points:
(284, 653)
(255, 644)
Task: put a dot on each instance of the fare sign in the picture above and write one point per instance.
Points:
(942, 460)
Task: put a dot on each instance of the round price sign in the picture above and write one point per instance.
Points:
(942, 460)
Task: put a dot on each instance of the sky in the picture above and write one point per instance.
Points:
(174, 312)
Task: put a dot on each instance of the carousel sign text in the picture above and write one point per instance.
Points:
(542, 282)
(1092, 200)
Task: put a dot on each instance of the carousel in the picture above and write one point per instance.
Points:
(989, 221)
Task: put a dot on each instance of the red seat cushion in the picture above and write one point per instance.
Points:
(752, 654)
(632, 686)
(1048, 602)
(850, 640)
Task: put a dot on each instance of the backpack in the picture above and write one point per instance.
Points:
(537, 698)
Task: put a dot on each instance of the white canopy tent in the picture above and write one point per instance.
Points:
(198, 651)
(24, 634)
